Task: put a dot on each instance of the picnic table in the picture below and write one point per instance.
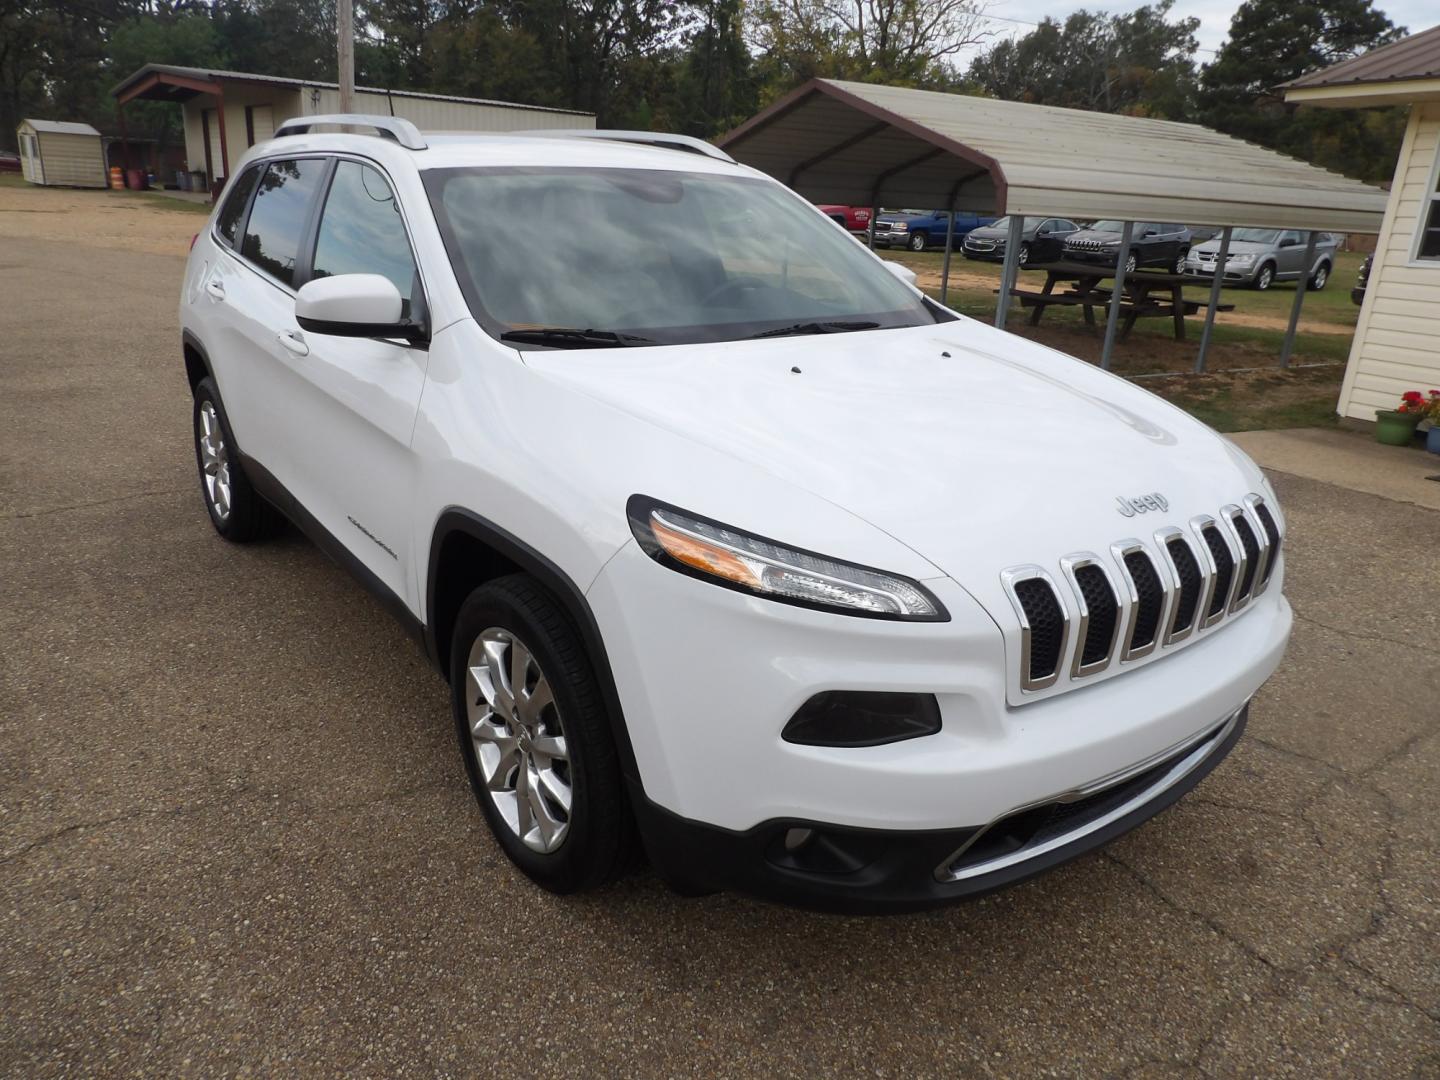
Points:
(1148, 293)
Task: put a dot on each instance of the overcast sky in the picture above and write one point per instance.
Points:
(1214, 15)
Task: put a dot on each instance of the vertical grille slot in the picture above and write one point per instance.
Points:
(1224, 571)
(1100, 618)
(1149, 602)
(1044, 631)
(1191, 581)
(1250, 547)
(1272, 533)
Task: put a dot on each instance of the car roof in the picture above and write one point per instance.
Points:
(446, 150)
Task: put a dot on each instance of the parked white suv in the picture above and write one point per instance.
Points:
(871, 622)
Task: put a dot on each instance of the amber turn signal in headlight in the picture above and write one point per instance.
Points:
(714, 552)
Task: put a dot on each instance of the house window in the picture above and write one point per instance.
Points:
(1429, 246)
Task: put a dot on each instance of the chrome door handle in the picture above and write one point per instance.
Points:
(292, 340)
(215, 289)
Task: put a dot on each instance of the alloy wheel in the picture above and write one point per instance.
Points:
(1131, 264)
(214, 460)
(1180, 263)
(519, 740)
(1321, 276)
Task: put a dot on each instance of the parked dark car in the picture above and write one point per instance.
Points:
(1042, 239)
(1151, 244)
(1362, 281)
(919, 229)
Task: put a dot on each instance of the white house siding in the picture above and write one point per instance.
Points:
(1397, 339)
(283, 101)
(437, 114)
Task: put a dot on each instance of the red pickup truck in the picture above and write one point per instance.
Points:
(853, 219)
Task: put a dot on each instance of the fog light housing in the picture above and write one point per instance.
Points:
(851, 718)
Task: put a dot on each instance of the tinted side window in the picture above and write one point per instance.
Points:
(228, 220)
(277, 219)
(361, 231)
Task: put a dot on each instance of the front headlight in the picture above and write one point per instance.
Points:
(724, 556)
(1239, 260)
(899, 226)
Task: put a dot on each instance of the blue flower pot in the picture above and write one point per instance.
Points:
(1432, 439)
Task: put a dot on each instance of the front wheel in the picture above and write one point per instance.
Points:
(1180, 261)
(535, 738)
(1265, 277)
(1024, 254)
(917, 242)
(1131, 264)
(1320, 277)
(236, 510)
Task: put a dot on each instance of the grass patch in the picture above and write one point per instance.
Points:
(1254, 401)
(165, 202)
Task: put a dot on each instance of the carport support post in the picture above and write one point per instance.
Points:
(1301, 286)
(870, 231)
(949, 243)
(1113, 319)
(1012, 262)
(1220, 257)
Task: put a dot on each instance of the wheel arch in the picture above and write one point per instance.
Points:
(197, 360)
(466, 551)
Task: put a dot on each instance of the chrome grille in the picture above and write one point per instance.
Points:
(1148, 595)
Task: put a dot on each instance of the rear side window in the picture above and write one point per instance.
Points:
(361, 231)
(228, 220)
(277, 218)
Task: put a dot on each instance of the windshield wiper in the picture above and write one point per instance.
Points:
(582, 339)
(816, 328)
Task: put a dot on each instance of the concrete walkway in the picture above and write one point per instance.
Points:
(1348, 459)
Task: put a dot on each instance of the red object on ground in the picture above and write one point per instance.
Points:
(137, 180)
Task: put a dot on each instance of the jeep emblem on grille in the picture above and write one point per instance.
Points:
(1141, 504)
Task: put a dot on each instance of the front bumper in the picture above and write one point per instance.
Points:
(1206, 272)
(1104, 257)
(866, 872)
(708, 678)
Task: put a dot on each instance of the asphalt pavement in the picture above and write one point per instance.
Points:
(236, 838)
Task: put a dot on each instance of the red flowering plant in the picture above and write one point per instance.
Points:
(1416, 405)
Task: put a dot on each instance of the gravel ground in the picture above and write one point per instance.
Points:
(235, 837)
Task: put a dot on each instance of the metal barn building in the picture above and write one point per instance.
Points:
(226, 112)
(61, 154)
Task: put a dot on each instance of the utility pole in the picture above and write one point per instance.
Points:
(345, 42)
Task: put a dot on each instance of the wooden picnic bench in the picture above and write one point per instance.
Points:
(1147, 294)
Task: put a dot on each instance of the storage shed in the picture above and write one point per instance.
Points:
(226, 112)
(61, 154)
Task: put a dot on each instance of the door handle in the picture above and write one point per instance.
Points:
(215, 289)
(292, 340)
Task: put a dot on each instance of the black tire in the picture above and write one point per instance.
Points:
(917, 241)
(1320, 278)
(600, 842)
(1264, 277)
(1132, 263)
(1180, 260)
(250, 517)
(1024, 256)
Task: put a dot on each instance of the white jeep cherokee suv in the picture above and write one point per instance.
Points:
(730, 543)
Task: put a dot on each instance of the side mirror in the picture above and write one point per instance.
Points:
(354, 305)
(904, 273)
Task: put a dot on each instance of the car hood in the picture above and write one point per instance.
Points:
(977, 449)
(1094, 234)
(989, 232)
(1237, 247)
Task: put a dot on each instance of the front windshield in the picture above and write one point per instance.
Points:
(1256, 236)
(1004, 223)
(655, 257)
(1108, 226)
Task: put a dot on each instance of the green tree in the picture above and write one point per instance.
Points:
(901, 42)
(714, 85)
(1139, 63)
(1274, 41)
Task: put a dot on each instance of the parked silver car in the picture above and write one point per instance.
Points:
(1260, 257)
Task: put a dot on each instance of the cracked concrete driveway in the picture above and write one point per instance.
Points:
(235, 836)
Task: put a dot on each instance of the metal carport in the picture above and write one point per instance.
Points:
(864, 144)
